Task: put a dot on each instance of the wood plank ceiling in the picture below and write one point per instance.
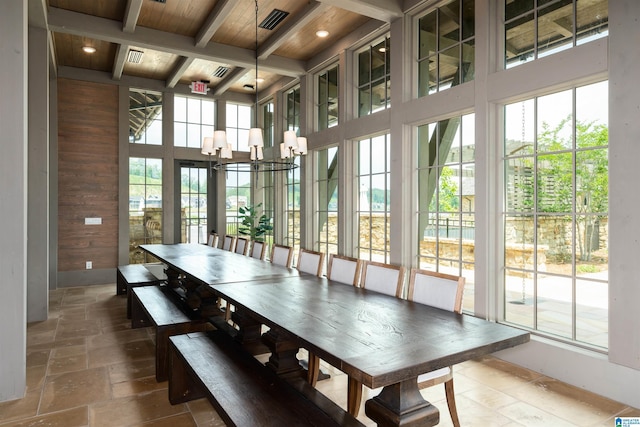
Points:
(209, 40)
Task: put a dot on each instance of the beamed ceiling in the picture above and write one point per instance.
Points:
(202, 40)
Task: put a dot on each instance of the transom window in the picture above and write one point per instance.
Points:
(194, 119)
(374, 78)
(327, 100)
(537, 28)
(556, 219)
(446, 47)
(145, 117)
(238, 125)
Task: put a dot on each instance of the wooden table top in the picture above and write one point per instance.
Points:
(376, 339)
(212, 265)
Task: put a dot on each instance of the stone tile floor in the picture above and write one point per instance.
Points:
(87, 367)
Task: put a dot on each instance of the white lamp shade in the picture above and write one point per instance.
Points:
(226, 153)
(256, 153)
(302, 146)
(219, 139)
(255, 137)
(284, 152)
(290, 139)
(207, 146)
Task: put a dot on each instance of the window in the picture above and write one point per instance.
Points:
(293, 110)
(327, 100)
(145, 117)
(145, 205)
(537, 28)
(268, 123)
(193, 204)
(446, 199)
(238, 125)
(292, 210)
(327, 210)
(374, 78)
(238, 195)
(555, 224)
(446, 47)
(193, 120)
(374, 199)
(268, 204)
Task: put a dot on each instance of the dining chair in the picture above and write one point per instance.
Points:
(282, 255)
(213, 240)
(311, 262)
(344, 269)
(384, 278)
(242, 245)
(442, 291)
(258, 250)
(229, 243)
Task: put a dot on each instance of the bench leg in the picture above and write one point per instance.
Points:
(162, 344)
(139, 318)
(182, 387)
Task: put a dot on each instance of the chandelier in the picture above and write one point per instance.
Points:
(218, 146)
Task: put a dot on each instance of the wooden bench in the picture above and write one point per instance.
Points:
(130, 276)
(151, 307)
(244, 391)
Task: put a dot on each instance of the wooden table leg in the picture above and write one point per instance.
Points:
(249, 332)
(401, 404)
(354, 396)
(283, 360)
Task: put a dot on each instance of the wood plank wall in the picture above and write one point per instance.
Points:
(87, 174)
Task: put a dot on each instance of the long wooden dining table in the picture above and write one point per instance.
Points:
(377, 340)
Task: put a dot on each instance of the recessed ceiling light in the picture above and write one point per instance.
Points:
(88, 49)
(259, 80)
(322, 33)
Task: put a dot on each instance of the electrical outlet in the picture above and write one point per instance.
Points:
(89, 265)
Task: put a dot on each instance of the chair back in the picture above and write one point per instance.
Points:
(344, 269)
(384, 278)
(229, 243)
(282, 255)
(258, 250)
(242, 245)
(213, 240)
(311, 262)
(436, 289)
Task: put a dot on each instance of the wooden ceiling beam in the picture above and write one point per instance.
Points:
(214, 21)
(131, 15)
(181, 67)
(382, 10)
(118, 62)
(290, 26)
(67, 22)
(228, 81)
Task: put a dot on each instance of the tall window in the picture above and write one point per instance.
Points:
(555, 224)
(238, 195)
(268, 123)
(374, 78)
(292, 211)
(374, 195)
(268, 203)
(446, 199)
(327, 99)
(327, 210)
(145, 205)
(238, 125)
(145, 117)
(537, 28)
(446, 47)
(193, 204)
(193, 120)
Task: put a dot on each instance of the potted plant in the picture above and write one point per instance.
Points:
(253, 224)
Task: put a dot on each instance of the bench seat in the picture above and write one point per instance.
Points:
(151, 307)
(130, 276)
(244, 391)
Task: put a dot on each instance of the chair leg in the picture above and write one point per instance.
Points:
(313, 369)
(451, 402)
(354, 396)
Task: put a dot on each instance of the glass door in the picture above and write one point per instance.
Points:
(194, 202)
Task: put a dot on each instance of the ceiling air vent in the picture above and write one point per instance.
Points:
(160, 1)
(220, 71)
(275, 17)
(135, 56)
